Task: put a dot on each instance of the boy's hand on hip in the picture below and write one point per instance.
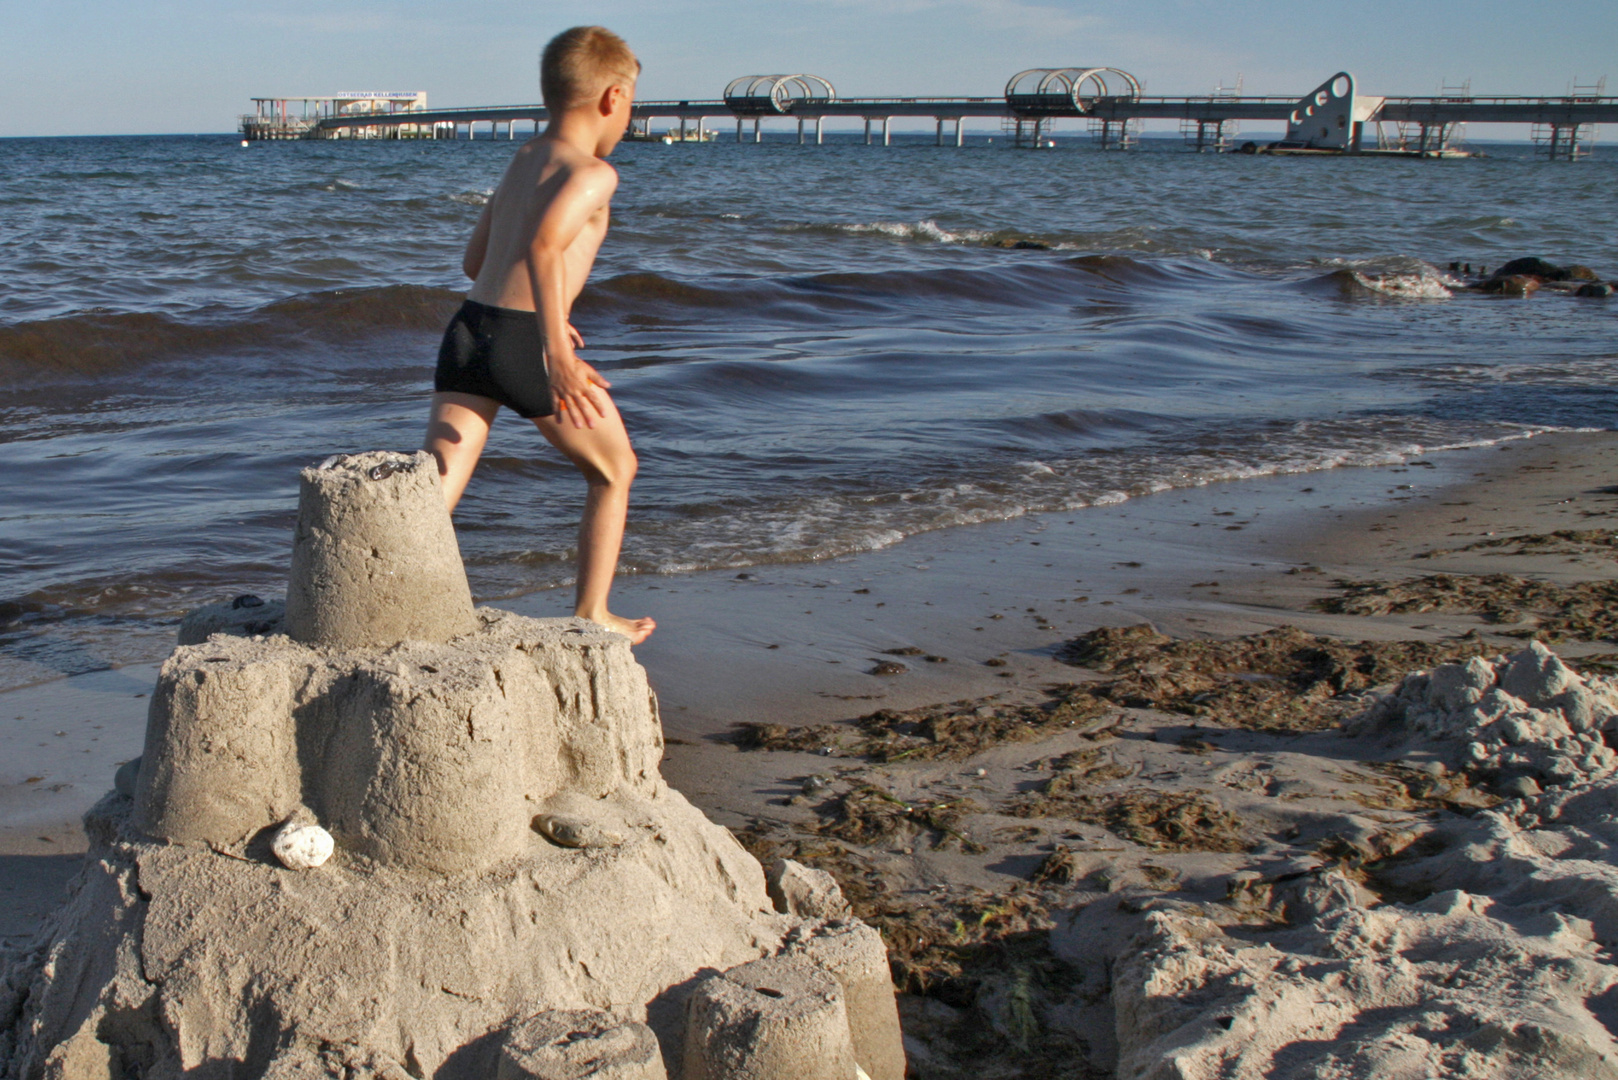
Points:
(575, 383)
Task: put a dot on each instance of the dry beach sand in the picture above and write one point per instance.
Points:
(1301, 902)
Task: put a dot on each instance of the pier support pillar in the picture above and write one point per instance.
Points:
(758, 130)
(739, 122)
(820, 134)
(867, 131)
(939, 140)
(800, 131)
(887, 137)
(959, 133)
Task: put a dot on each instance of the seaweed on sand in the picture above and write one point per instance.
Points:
(1160, 820)
(951, 732)
(1558, 542)
(962, 729)
(810, 738)
(1395, 786)
(868, 815)
(1383, 862)
(1581, 611)
(1281, 679)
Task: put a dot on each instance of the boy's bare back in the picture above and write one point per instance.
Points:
(551, 194)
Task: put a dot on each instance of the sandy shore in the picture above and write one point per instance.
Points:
(981, 615)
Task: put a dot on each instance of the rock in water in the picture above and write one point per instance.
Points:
(1511, 285)
(1531, 266)
(426, 742)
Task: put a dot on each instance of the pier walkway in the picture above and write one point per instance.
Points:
(1331, 119)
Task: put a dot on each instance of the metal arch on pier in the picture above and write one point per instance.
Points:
(1069, 91)
(776, 95)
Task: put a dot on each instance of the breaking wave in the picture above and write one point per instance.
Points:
(102, 342)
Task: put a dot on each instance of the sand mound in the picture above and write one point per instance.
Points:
(1503, 970)
(510, 870)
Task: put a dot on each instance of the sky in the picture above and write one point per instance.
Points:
(106, 67)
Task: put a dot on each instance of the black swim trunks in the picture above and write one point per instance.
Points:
(496, 353)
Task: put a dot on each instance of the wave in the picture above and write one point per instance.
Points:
(811, 528)
(928, 231)
(1393, 277)
(101, 342)
(1027, 284)
(95, 342)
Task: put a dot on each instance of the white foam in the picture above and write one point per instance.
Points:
(926, 229)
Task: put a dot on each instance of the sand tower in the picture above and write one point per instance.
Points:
(514, 890)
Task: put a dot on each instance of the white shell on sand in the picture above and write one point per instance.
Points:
(301, 847)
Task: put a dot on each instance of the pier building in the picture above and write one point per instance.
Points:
(1334, 118)
(367, 113)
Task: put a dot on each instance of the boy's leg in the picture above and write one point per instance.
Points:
(457, 428)
(603, 454)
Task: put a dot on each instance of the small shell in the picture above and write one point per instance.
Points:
(301, 847)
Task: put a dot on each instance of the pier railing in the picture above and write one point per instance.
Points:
(1110, 100)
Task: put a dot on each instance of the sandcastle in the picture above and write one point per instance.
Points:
(514, 890)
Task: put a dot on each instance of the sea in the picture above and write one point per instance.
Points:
(818, 350)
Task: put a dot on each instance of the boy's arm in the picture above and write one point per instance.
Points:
(585, 191)
(478, 246)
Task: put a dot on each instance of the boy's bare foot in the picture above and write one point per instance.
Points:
(636, 630)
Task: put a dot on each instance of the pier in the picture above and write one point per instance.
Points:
(1334, 118)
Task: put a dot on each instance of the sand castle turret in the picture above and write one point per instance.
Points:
(374, 560)
(507, 857)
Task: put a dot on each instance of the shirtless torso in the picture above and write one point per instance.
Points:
(511, 221)
(512, 344)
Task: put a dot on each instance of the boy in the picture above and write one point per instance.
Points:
(511, 343)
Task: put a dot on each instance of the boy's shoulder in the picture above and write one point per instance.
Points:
(545, 152)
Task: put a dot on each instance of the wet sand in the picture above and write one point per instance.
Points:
(793, 645)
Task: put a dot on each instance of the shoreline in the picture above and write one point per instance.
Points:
(790, 644)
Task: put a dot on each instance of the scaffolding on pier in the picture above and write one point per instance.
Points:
(1216, 135)
(1114, 134)
(1429, 139)
(1569, 142)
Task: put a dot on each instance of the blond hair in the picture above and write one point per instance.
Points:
(580, 63)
